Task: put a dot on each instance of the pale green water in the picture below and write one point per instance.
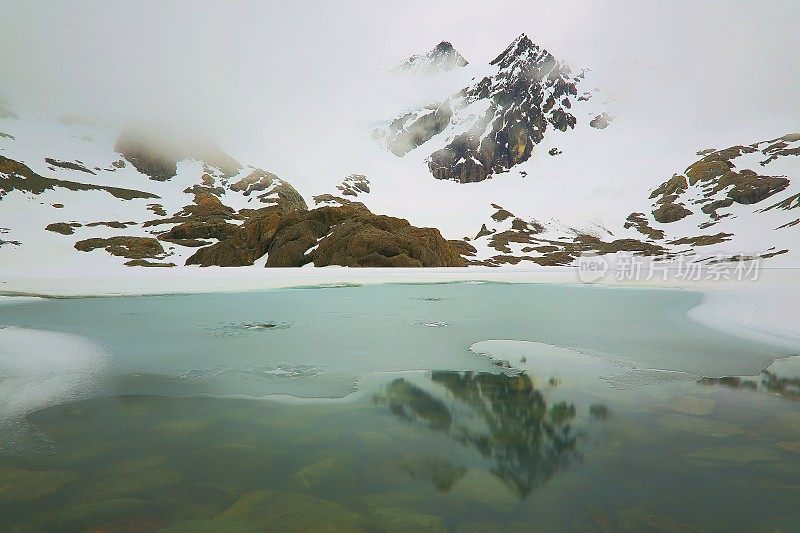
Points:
(437, 436)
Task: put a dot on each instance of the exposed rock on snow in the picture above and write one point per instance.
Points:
(158, 156)
(18, 176)
(125, 246)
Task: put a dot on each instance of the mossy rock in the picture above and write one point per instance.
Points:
(790, 422)
(481, 527)
(375, 440)
(331, 471)
(698, 426)
(182, 427)
(275, 510)
(483, 487)
(134, 483)
(213, 526)
(669, 212)
(793, 447)
(22, 485)
(97, 513)
(735, 454)
(124, 246)
(640, 519)
(131, 466)
(692, 405)
(240, 465)
(397, 519)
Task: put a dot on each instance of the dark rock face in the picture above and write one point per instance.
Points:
(18, 176)
(414, 129)
(530, 93)
(157, 156)
(69, 165)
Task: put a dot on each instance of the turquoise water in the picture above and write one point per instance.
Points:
(407, 410)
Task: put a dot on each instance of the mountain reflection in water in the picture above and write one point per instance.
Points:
(504, 418)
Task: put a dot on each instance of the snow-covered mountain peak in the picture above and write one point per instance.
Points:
(524, 52)
(442, 58)
(493, 124)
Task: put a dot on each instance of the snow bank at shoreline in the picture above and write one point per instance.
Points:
(763, 309)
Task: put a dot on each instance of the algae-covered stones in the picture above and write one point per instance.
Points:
(131, 466)
(482, 486)
(692, 405)
(640, 519)
(391, 519)
(328, 471)
(735, 454)
(97, 513)
(240, 465)
(375, 440)
(698, 426)
(274, 510)
(793, 447)
(20, 485)
(134, 483)
(182, 427)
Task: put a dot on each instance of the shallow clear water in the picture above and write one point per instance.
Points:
(448, 429)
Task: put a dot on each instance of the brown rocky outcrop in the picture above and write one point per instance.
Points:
(124, 246)
(669, 212)
(18, 176)
(347, 235)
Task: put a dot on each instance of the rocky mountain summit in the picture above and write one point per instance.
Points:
(494, 124)
(442, 58)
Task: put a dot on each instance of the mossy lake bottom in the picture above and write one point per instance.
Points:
(391, 408)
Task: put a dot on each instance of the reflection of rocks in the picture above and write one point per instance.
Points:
(526, 439)
(441, 473)
(781, 378)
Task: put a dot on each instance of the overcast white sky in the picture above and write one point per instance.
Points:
(274, 76)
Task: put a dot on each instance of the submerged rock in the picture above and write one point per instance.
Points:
(21, 485)
(699, 426)
(398, 519)
(275, 510)
(329, 471)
